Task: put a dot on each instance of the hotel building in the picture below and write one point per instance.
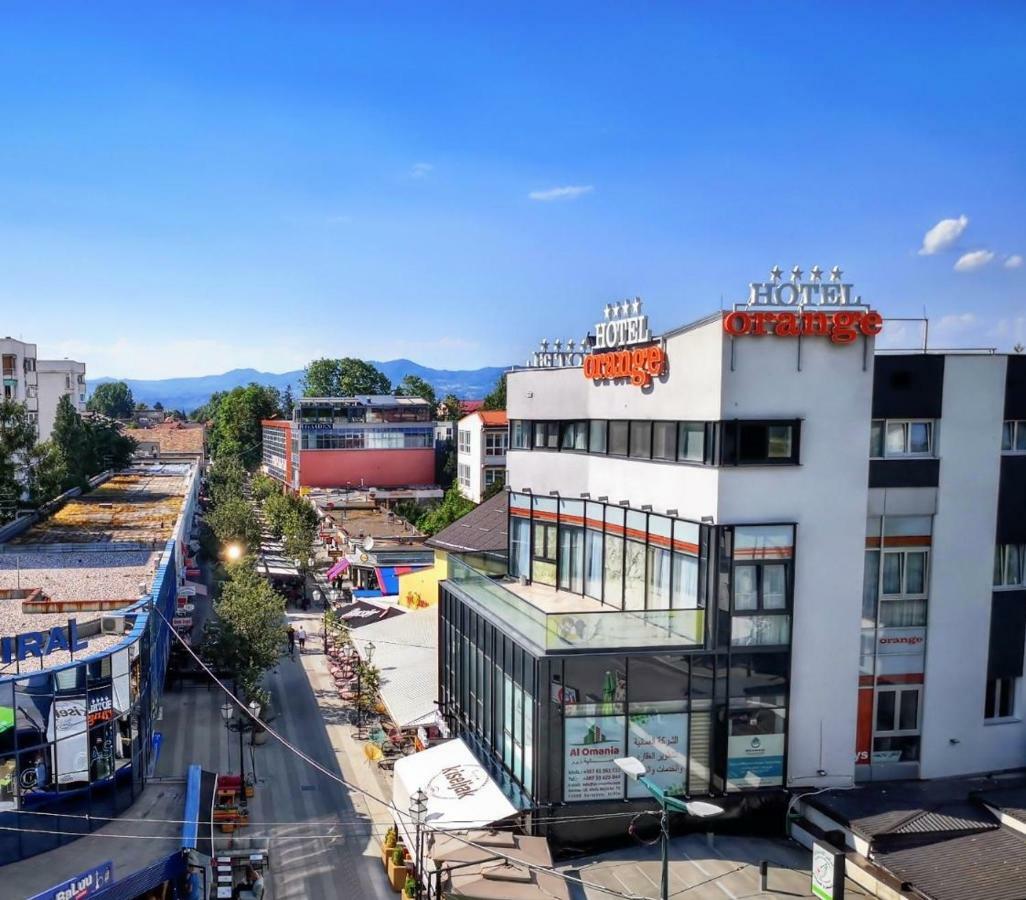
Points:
(352, 442)
(753, 553)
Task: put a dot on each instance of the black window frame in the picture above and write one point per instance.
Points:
(731, 439)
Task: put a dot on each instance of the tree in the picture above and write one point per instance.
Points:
(451, 409)
(158, 406)
(288, 402)
(497, 398)
(415, 386)
(45, 473)
(113, 399)
(233, 522)
(298, 540)
(263, 486)
(225, 478)
(247, 634)
(235, 421)
(111, 448)
(17, 437)
(74, 442)
(453, 506)
(345, 377)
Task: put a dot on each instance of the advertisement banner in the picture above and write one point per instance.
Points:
(68, 729)
(755, 760)
(591, 743)
(827, 872)
(84, 885)
(660, 742)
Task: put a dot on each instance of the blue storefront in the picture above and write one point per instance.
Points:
(77, 741)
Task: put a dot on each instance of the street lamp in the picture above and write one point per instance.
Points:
(233, 552)
(418, 809)
(635, 769)
(368, 651)
(226, 713)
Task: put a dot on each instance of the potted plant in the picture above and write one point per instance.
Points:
(410, 887)
(397, 868)
(391, 839)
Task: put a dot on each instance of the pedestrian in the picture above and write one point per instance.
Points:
(291, 633)
(301, 634)
(252, 888)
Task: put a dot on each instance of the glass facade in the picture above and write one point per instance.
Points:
(76, 741)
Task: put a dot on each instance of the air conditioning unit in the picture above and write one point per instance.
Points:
(112, 624)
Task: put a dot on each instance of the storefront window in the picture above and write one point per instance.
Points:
(595, 685)
(755, 748)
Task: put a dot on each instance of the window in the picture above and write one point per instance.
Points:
(664, 440)
(574, 436)
(759, 443)
(618, 431)
(641, 440)
(897, 710)
(597, 435)
(463, 473)
(1000, 701)
(691, 441)
(495, 443)
(761, 586)
(890, 438)
(546, 435)
(464, 441)
(1013, 436)
(904, 573)
(1009, 565)
(520, 434)
(494, 475)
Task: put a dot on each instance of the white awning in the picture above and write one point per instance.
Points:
(193, 588)
(461, 794)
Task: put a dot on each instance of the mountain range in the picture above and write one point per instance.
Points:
(192, 392)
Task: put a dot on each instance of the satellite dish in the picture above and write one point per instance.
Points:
(368, 543)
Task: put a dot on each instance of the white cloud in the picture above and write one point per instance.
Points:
(1013, 262)
(943, 235)
(900, 335)
(976, 259)
(568, 192)
(952, 328)
(421, 170)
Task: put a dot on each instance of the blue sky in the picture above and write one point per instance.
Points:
(190, 188)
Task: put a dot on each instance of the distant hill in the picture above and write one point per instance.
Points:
(190, 393)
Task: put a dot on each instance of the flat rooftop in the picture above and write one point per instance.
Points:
(377, 523)
(372, 400)
(139, 504)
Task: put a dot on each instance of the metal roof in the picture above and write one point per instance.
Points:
(482, 530)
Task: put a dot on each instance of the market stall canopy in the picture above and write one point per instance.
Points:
(337, 569)
(461, 794)
(406, 656)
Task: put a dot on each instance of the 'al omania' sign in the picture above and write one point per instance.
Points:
(813, 308)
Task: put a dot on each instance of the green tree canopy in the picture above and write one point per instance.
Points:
(415, 386)
(114, 399)
(248, 631)
(45, 473)
(451, 407)
(235, 421)
(74, 443)
(17, 438)
(345, 377)
(453, 506)
(233, 521)
(497, 398)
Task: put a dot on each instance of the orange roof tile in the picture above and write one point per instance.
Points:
(493, 417)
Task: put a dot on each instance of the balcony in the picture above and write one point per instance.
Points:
(559, 621)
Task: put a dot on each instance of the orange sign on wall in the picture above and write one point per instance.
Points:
(640, 365)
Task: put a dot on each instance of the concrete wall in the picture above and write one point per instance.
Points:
(371, 468)
(473, 459)
(961, 576)
(52, 376)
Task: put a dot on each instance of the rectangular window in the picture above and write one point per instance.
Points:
(597, 436)
(571, 559)
(1009, 565)
(464, 475)
(520, 434)
(691, 441)
(664, 440)
(495, 475)
(641, 440)
(904, 573)
(574, 436)
(658, 578)
(1013, 436)
(903, 437)
(618, 432)
(546, 435)
(1000, 700)
(760, 586)
(897, 710)
(748, 443)
(464, 441)
(495, 443)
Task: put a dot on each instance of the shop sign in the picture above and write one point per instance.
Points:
(624, 326)
(182, 622)
(659, 740)
(755, 760)
(893, 641)
(41, 643)
(847, 319)
(827, 872)
(84, 885)
(457, 782)
(591, 744)
(619, 338)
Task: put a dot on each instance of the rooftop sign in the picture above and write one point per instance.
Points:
(629, 350)
(41, 643)
(795, 307)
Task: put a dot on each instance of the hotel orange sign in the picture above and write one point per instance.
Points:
(640, 365)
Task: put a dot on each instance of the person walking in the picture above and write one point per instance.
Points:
(301, 634)
(291, 634)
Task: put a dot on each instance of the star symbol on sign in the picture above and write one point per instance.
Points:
(796, 274)
(608, 311)
(776, 272)
(625, 308)
(544, 344)
(636, 305)
(836, 273)
(816, 273)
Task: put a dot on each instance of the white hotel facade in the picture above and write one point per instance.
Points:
(754, 553)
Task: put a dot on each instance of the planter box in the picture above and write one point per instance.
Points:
(397, 876)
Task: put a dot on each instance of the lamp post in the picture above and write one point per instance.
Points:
(418, 809)
(368, 651)
(636, 770)
(226, 713)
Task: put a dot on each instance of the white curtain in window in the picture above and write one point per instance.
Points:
(685, 581)
(774, 587)
(520, 547)
(593, 564)
(746, 593)
(658, 578)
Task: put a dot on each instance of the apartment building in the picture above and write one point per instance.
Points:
(19, 374)
(752, 553)
(482, 440)
(57, 378)
(355, 442)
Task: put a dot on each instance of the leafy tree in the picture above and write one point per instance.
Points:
(45, 472)
(235, 421)
(343, 378)
(225, 478)
(497, 398)
(298, 540)
(263, 486)
(208, 411)
(451, 410)
(75, 445)
(415, 386)
(288, 402)
(281, 510)
(453, 506)
(17, 437)
(248, 631)
(113, 399)
(496, 487)
(111, 449)
(233, 521)
(158, 406)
